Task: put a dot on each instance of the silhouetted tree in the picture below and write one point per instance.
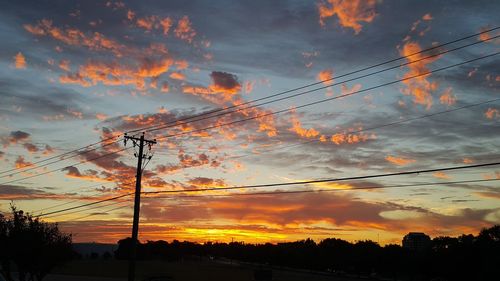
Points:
(35, 247)
(5, 248)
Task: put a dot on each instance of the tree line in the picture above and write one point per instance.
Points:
(33, 248)
(466, 257)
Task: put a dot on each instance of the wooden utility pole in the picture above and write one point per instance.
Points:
(138, 142)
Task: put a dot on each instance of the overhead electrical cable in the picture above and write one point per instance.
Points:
(243, 187)
(76, 152)
(401, 121)
(279, 111)
(327, 99)
(73, 165)
(276, 192)
(317, 89)
(329, 180)
(337, 77)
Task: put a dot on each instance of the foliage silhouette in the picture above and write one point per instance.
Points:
(31, 245)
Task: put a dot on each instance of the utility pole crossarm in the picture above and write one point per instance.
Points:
(139, 142)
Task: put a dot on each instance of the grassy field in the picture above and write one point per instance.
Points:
(180, 271)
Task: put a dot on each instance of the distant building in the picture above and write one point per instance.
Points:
(416, 241)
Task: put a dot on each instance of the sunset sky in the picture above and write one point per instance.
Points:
(74, 73)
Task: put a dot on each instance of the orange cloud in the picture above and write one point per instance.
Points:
(31, 147)
(222, 83)
(267, 124)
(202, 182)
(249, 86)
(64, 65)
(181, 64)
(447, 97)
(15, 137)
(164, 87)
(196, 90)
(19, 61)
(427, 16)
(349, 13)
(113, 74)
(75, 37)
(420, 88)
(130, 15)
(468, 161)
(492, 113)
(299, 130)
(187, 161)
(21, 163)
(155, 68)
(101, 116)
(350, 138)
(487, 35)
(76, 78)
(152, 22)
(184, 30)
(73, 172)
(441, 175)
(57, 117)
(346, 91)
(146, 22)
(166, 24)
(177, 76)
(75, 113)
(326, 77)
(399, 160)
(488, 195)
(48, 150)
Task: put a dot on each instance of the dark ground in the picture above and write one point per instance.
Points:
(113, 270)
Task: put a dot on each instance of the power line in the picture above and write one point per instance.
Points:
(77, 200)
(329, 180)
(86, 209)
(66, 203)
(97, 214)
(282, 184)
(327, 99)
(378, 126)
(59, 169)
(271, 193)
(85, 205)
(313, 90)
(156, 127)
(281, 111)
(336, 77)
(58, 157)
(324, 190)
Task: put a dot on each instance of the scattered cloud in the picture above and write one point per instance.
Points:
(447, 97)
(184, 29)
(400, 161)
(350, 14)
(299, 130)
(421, 87)
(21, 163)
(492, 113)
(19, 61)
